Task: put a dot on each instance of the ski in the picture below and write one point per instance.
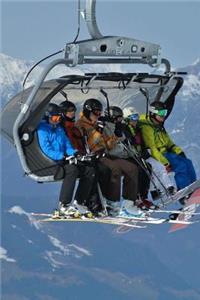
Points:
(106, 220)
(188, 211)
(183, 193)
(132, 222)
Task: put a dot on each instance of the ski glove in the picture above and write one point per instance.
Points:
(100, 126)
(168, 168)
(182, 154)
(71, 160)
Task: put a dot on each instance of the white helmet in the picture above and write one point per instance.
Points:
(128, 111)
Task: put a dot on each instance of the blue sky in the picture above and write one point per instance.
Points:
(34, 29)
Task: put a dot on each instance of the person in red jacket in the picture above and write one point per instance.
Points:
(79, 141)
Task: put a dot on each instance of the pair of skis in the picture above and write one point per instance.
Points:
(178, 218)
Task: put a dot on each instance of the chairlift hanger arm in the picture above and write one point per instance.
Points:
(109, 49)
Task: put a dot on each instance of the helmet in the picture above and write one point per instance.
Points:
(91, 105)
(131, 113)
(158, 108)
(52, 110)
(67, 106)
(114, 112)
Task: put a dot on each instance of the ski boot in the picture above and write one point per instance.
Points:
(69, 212)
(83, 210)
(145, 204)
(113, 208)
(171, 190)
(56, 214)
(129, 210)
(156, 194)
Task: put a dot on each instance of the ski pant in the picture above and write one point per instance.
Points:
(159, 176)
(183, 169)
(87, 176)
(121, 167)
(144, 182)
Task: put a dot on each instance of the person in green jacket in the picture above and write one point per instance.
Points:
(163, 148)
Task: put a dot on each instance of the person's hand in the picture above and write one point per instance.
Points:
(100, 126)
(168, 168)
(182, 154)
(71, 160)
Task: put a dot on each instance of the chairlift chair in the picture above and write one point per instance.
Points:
(22, 114)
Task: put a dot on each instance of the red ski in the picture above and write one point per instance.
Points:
(187, 211)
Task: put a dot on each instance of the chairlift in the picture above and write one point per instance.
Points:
(22, 114)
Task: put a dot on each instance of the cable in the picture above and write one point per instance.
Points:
(38, 64)
(79, 22)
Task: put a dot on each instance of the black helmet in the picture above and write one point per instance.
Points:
(91, 105)
(158, 108)
(66, 106)
(114, 112)
(52, 110)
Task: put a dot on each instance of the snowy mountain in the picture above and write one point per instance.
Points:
(49, 261)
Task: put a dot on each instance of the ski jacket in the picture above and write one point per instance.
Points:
(53, 141)
(157, 140)
(134, 137)
(97, 141)
(75, 136)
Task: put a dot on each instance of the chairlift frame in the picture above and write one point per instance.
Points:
(97, 50)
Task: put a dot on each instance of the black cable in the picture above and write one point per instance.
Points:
(38, 64)
(78, 30)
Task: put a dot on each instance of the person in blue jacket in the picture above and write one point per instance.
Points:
(55, 144)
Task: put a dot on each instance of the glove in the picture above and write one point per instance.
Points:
(71, 160)
(100, 126)
(182, 154)
(84, 158)
(168, 168)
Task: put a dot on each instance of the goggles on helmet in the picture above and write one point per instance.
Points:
(134, 117)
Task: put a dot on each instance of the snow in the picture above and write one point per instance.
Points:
(3, 255)
(191, 86)
(20, 211)
(57, 258)
(69, 248)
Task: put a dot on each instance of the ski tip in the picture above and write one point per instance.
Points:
(176, 227)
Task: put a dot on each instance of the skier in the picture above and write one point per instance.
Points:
(102, 143)
(56, 145)
(123, 149)
(159, 175)
(78, 141)
(163, 148)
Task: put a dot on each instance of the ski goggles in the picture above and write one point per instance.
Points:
(134, 117)
(55, 118)
(161, 112)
